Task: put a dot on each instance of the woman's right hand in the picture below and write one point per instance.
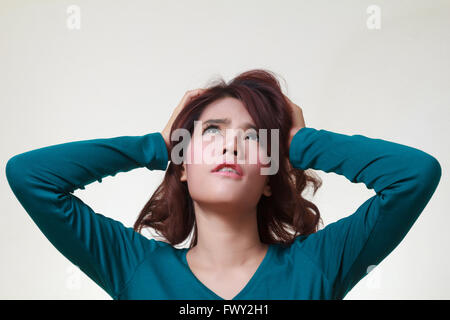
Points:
(298, 121)
(186, 98)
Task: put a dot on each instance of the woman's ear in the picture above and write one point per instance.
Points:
(183, 173)
(267, 191)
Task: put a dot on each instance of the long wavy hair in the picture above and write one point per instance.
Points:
(281, 216)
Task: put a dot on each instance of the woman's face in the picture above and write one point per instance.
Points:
(215, 146)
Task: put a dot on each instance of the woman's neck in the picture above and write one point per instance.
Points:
(227, 237)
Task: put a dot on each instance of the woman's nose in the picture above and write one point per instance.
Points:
(232, 144)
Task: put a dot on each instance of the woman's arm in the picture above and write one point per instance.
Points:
(43, 180)
(404, 179)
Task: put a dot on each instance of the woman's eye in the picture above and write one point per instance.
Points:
(254, 137)
(253, 134)
(213, 127)
(210, 127)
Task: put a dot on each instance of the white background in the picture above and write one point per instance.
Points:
(128, 66)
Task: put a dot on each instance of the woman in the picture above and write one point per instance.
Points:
(254, 235)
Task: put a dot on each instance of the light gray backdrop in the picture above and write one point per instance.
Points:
(376, 68)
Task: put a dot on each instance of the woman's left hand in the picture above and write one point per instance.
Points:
(298, 121)
(186, 98)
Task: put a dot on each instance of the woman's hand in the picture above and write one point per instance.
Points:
(186, 98)
(298, 121)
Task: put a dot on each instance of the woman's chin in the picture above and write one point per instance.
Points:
(223, 197)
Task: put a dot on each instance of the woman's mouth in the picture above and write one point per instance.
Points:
(229, 170)
(228, 173)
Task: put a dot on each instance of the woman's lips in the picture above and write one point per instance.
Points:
(228, 174)
(234, 166)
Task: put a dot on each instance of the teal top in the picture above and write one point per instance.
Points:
(128, 265)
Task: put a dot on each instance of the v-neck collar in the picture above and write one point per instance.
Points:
(249, 284)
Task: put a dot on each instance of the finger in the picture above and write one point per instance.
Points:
(186, 98)
(190, 94)
(195, 93)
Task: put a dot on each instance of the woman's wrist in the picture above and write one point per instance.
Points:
(292, 133)
(166, 139)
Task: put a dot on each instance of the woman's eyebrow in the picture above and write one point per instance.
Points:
(246, 125)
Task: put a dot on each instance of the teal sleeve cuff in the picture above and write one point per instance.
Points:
(298, 145)
(157, 153)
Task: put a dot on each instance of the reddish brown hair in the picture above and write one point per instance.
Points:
(280, 217)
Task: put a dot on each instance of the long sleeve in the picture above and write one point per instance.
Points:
(404, 179)
(43, 181)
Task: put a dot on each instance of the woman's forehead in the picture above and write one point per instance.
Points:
(228, 110)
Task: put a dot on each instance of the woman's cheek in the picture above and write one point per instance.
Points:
(199, 151)
(258, 156)
(212, 150)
